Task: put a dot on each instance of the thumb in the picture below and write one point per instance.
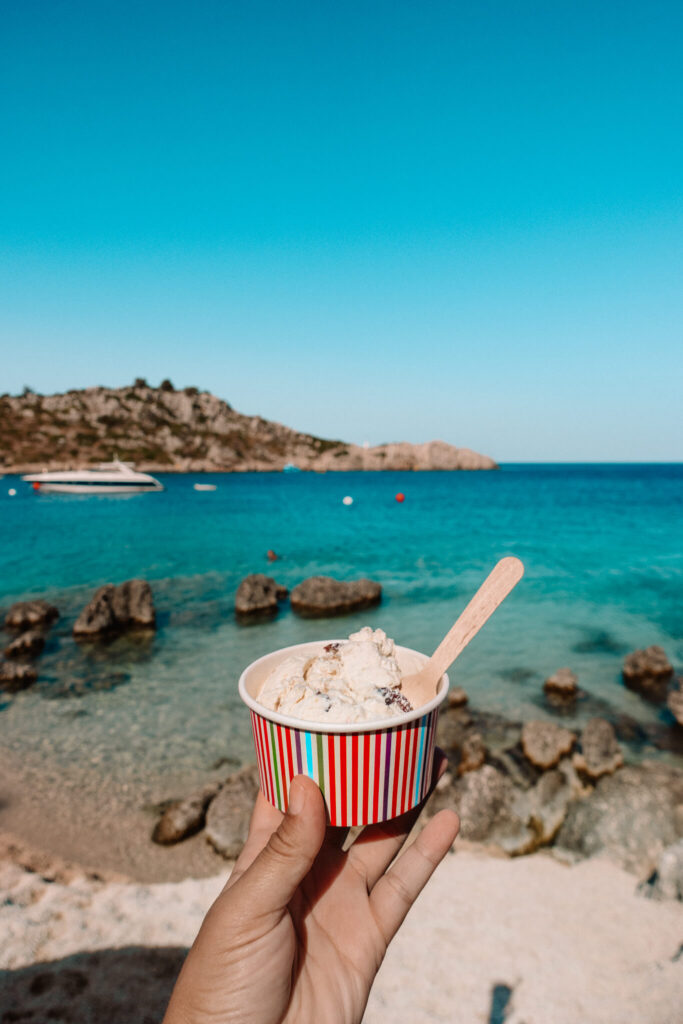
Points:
(287, 858)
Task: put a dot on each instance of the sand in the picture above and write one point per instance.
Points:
(525, 941)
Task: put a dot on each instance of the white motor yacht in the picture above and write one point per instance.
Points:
(108, 478)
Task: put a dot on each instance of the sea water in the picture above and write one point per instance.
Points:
(602, 546)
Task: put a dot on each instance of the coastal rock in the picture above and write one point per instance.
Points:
(674, 703)
(30, 614)
(115, 609)
(630, 817)
(401, 456)
(97, 618)
(473, 753)
(258, 595)
(227, 819)
(600, 753)
(27, 645)
(648, 672)
(561, 688)
(452, 727)
(189, 431)
(666, 882)
(513, 763)
(490, 808)
(185, 817)
(479, 797)
(320, 596)
(16, 675)
(133, 605)
(550, 799)
(544, 743)
(457, 698)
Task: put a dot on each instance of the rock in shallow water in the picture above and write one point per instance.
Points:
(457, 698)
(29, 614)
(674, 703)
(629, 817)
(319, 596)
(600, 753)
(115, 609)
(648, 672)
(561, 688)
(16, 675)
(544, 743)
(258, 596)
(473, 753)
(227, 819)
(27, 645)
(185, 817)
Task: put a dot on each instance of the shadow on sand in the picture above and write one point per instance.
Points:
(109, 986)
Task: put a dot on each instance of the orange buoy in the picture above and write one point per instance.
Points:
(400, 497)
(36, 485)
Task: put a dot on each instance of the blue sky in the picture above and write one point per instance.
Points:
(372, 221)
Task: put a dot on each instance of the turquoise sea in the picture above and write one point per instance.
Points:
(602, 545)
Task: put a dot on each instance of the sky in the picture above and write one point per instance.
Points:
(376, 222)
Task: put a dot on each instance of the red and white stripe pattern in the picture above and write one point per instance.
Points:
(364, 777)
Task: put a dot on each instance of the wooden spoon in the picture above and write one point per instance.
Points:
(420, 687)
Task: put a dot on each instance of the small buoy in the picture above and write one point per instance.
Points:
(36, 485)
(400, 497)
(11, 492)
(272, 557)
(348, 500)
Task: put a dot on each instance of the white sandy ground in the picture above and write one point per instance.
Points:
(577, 945)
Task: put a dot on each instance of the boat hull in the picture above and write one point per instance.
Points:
(101, 488)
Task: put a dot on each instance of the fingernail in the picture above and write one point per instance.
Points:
(297, 798)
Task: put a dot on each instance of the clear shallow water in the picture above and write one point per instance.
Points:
(602, 547)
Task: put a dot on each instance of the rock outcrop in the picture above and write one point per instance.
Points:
(16, 676)
(545, 743)
(472, 754)
(37, 614)
(320, 596)
(457, 698)
(28, 644)
(600, 753)
(185, 817)
(630, 817)
(648, 672)
(674, 702)
(561, 688)
(492, 809)
(115, 609)
(163, 429)
(258, 596)
(229, 813)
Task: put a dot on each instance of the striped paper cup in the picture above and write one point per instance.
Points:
(367, 771)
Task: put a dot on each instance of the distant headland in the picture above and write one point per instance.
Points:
(162, 429)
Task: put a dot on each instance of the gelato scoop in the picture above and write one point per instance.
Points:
(354, 680)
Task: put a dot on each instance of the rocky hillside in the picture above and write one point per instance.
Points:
(161, 429)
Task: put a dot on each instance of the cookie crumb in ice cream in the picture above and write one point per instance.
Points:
(395, 697)
(352, 680)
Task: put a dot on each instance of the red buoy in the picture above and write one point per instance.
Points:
(36, 485)
(400, 497)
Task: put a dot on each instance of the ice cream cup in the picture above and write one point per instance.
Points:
(367, 771)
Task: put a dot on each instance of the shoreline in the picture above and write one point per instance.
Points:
(164, 469)
(486, 932)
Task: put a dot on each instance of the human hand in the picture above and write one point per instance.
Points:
(301, 928)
